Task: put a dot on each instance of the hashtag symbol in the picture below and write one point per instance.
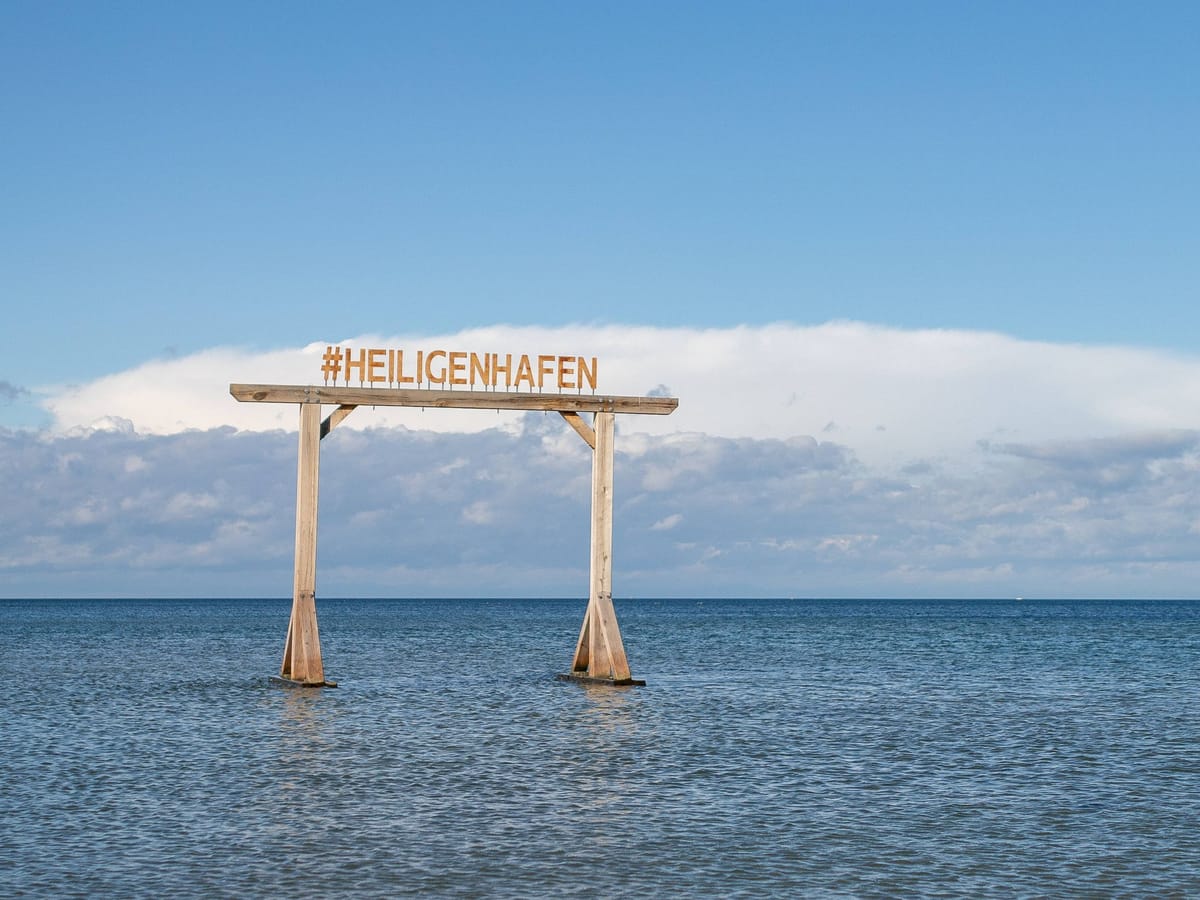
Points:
(331, 363)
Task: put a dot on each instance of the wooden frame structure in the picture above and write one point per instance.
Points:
(599, 652)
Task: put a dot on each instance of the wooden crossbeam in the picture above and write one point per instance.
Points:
(438, 399)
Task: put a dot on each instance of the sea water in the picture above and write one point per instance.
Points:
(780, 748)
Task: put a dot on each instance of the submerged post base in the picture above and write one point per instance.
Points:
(590, 679)
(288, 682)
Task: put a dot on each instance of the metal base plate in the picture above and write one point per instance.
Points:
(287, 682)
(610, 682)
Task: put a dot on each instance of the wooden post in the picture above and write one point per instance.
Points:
(600, 653)
(302, 650)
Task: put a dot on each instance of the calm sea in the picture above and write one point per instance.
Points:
(813, 748)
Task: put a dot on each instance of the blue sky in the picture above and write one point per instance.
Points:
(183, 178)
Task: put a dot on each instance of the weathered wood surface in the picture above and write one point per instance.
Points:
(302, 650)
(600, 652)
(438, 399)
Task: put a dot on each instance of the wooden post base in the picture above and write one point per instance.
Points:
(591, 679)
(291, 683)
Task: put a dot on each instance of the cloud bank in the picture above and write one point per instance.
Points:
(406, 513)
(839, 460)
(891, 395)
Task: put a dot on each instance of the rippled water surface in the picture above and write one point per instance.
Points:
(817, 748)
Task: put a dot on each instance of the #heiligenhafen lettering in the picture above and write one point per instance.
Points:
(376, 366)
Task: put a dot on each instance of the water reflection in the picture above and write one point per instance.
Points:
(603, 779)
(608, 710)
(305, 716)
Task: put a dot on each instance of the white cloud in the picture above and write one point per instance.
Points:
(957, 463)
(478, 513)
(892, 395)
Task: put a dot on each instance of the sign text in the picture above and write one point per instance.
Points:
(457, 367)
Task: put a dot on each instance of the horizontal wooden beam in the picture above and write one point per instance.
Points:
(439, 399)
